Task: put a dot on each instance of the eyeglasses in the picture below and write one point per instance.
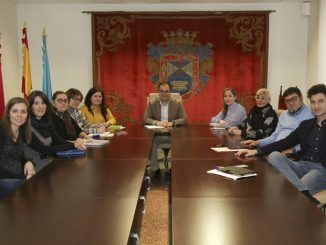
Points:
(62, 100)
(76, 99)
(165, 91)
(292, 100)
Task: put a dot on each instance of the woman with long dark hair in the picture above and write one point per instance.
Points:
(15, 132)
(95, 109)
(232, 113)
(45, 140)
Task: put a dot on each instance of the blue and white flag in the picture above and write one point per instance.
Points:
(47, 89)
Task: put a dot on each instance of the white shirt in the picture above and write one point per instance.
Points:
(164, 112)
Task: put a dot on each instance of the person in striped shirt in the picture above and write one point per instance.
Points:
(74, 99)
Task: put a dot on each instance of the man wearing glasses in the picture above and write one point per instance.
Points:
(166, 112)
(308, 174)
(288, 121)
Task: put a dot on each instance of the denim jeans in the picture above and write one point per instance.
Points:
(8, 185)
(304, 175)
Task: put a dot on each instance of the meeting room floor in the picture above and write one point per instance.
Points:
(155, 222)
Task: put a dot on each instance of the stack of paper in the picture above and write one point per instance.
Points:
(96, 143)
(153, 127)
(223, 149)
(233, 172)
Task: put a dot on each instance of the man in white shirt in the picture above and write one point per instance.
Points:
(166, 112)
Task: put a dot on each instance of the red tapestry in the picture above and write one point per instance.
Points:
(198, 53)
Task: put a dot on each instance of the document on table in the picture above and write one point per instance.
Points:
(96, 143)
(153, 127)
(223, 149)
(103, 135)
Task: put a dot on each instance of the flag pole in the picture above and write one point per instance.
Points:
(281, 91)
(46, 88)
(44, 33)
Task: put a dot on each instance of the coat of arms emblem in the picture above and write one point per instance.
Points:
(180, 61)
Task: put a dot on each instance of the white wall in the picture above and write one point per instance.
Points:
(9, 51)
(69, 40)
(288, 49)
(321, 42)
(312, 50)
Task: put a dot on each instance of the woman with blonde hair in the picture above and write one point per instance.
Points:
(262, 119)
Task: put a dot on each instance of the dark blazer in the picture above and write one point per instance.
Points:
(176, 112)
(298, 136)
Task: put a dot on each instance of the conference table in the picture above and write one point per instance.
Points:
(210, 209)
(85, 200)
(94, 199)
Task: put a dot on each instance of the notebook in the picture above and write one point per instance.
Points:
(71, 153)
(233, 172)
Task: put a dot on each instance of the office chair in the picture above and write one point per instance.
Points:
(321, 197)
(165, 147)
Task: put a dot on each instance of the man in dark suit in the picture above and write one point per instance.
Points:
(166, 112)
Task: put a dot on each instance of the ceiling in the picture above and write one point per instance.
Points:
(150, 1)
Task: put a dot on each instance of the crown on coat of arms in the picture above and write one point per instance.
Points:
(180, 37)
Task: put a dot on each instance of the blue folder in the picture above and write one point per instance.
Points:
(71, 153)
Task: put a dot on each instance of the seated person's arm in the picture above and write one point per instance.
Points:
(182, 117)
(110, 120)
(148, 116)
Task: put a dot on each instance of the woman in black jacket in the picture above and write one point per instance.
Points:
(45, 140)
(64, 124)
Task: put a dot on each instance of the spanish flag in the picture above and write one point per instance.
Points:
(2, 100)
(27, 79)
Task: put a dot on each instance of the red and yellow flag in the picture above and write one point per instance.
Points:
(27, 79)
(2, 100)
